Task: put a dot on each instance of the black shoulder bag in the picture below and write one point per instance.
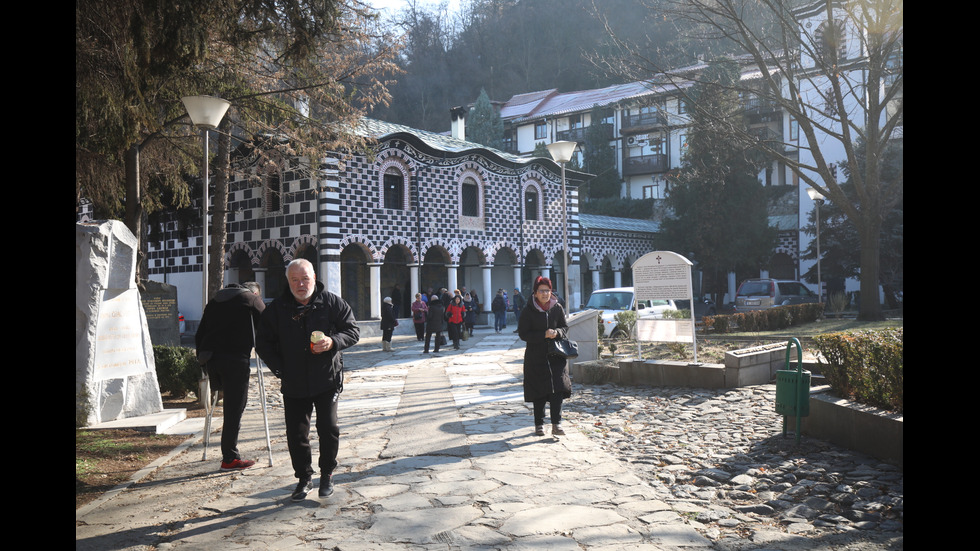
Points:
(563, 348)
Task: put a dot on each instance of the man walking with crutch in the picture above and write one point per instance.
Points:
(224, 342)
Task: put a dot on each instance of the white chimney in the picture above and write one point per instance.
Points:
(458, 129)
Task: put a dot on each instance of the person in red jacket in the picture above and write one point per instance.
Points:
(455, 313)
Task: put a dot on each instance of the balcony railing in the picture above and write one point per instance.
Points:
(655, 119)
(645, 164)
(761, 110)
(766, 134)
(578, 134)
(573, 135)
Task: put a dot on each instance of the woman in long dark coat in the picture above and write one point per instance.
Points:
(388, 323)
(546, 378)
(434, 322)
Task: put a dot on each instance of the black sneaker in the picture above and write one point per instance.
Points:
(326, 487)
(304, 487)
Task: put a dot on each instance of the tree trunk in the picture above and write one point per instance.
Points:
(134, 208)
(870, 234)
(219, 216)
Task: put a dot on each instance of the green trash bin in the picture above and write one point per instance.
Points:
(793, 389)
(793, 393)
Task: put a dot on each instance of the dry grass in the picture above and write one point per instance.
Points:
(106, 458)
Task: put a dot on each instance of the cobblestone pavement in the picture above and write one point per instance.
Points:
(437, 453)
(719, 458)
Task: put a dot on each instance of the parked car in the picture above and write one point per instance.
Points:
(612, 301)
(760, 294)
(703, 306)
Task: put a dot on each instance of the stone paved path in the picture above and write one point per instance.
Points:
(437, 452)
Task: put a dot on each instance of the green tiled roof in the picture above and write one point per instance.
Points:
(598, 222)
(378, 130)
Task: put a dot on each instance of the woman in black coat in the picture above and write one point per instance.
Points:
(546, 378)
(434, 323)
(388, 323)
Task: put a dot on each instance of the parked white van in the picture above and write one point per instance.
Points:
(612, 301)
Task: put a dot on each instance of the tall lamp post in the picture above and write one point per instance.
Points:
(817, 198)
(206, 113)
(561, 152)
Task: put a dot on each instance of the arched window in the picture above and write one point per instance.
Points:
(830, 43)
(532, 202)
(471, 202)
(271, 174)
(394, 188)
(470, 197)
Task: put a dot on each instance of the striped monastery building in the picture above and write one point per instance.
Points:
(422, 210)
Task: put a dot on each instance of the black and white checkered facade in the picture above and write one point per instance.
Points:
(343, 205)
(431, 214)
(620, 248)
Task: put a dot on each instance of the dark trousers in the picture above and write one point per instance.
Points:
(230, 375)
(386, 334)
(428, 337)
(455, 333)
(499, 320)
(555, 401)
(298, 414)
(420, 331)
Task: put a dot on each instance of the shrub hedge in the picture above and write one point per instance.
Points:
(865, 366)
(779, 317)
(177, 370)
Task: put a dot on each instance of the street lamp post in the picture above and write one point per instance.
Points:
(817, 198)
(561, 152)
(206, 113)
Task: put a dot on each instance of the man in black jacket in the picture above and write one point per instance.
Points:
(224, 342)
(301, 336)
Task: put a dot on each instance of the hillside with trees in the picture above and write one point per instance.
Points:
(507, 47)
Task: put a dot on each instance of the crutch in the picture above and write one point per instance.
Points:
(265, 414)
(207, 421)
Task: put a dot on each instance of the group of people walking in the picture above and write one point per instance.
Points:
(301, 335)
(432, 313)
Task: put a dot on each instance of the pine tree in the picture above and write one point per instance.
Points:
(485, 126)
(600, 159)
(717, 205)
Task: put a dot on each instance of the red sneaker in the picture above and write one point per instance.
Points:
(236, 465)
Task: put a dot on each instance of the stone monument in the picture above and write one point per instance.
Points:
(115, 376)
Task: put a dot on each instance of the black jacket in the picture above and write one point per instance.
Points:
(225, 328)
(543, 374)
(518, 301)
(436, 317)
(388, 320)
(283, 341)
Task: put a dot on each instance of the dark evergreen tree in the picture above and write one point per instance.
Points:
(483, 126)
(717, 207)
(600, 160)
